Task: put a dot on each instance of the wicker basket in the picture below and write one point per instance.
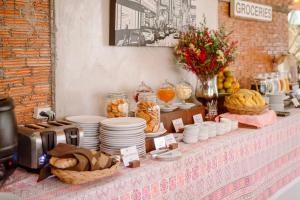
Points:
(246, 111)
(75, 177)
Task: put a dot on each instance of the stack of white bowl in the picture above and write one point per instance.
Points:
(119, 133)
(212, 127)
(90, 126)
(204, 132)
(191, 134)
(231, 124)
(276, 102)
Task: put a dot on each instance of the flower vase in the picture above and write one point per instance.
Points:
(207, 94)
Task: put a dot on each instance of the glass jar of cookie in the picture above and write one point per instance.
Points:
(148, 109)
(117, 105)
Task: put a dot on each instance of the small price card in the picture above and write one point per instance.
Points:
(178, 124)
(198, 119)
(295, 102)
(160, 143)
(129, 154)
(170, 139)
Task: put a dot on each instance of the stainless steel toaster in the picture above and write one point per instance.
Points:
(35, 140)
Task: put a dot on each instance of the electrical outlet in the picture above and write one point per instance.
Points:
(38, 110)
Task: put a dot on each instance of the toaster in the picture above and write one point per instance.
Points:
(35, 140)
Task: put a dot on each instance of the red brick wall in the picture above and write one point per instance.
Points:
(25, 55)
(258, 41)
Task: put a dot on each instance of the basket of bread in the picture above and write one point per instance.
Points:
(245, 102)
(74, 165)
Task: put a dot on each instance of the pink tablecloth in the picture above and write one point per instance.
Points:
(245, 164)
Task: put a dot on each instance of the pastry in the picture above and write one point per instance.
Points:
(63, 163)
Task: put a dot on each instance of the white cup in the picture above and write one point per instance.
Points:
(234, 125)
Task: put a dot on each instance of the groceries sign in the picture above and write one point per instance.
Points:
(249, 10)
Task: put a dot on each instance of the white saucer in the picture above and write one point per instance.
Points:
(185, 106)
(169, 108)
(160, 132)
(178, 137)
(86, 119)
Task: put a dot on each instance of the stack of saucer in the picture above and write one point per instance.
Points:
(118, 133)
(90, 126)
(276, 102)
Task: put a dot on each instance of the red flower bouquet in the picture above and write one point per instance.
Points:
(205, 52)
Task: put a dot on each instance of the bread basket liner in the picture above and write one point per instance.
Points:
(75, 177)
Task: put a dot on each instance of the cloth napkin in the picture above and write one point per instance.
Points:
(265, 119)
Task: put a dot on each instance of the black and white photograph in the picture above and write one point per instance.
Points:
(150, 22)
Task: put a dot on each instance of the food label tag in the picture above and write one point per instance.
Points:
(161, 126)
(295, 102)
(160, 143)
(170, 139)
(198, 119)
(178, 124)
(129, 154)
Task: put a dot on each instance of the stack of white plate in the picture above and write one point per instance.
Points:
(118, 133)
(90, 126)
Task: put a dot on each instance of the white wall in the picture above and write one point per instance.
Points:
(88, 68)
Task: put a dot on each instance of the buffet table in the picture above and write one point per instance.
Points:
(244, 164)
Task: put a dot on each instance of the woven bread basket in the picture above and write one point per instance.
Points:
(246, 110)
(75, 177)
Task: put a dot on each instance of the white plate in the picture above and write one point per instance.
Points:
(122, 132)
(185, 106)
(172, 155)
(170, 108)
(123, 122)
(160, 132)
(142, 127)
(178, 137)
(122, 139)
(86, 119)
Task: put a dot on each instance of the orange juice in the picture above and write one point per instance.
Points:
(282, 85)
(287, 85)
(166, 94)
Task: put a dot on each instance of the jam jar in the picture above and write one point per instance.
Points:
(148, 109)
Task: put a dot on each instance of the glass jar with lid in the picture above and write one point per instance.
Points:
(117, 105)
(184, 91)
(143, 88)
(166, 92)
(260, 84)
(270, 83)
(148, 109)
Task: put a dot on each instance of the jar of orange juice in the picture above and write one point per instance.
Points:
(166, 92)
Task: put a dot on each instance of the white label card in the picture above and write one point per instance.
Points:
(160, 143)
(170, 139)
(198, 119)
(295, 102)
(129, 154)
(178, 124)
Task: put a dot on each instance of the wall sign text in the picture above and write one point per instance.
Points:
(249, 10)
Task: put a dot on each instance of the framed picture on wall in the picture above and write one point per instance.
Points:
(151, 22)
